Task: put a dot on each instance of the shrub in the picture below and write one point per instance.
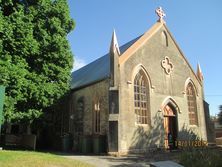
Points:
(201, 158)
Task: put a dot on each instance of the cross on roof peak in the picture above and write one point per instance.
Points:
(159, 11)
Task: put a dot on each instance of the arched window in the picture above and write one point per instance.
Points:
(78, 118)
(192, 104)
(96, 117)
(164, 38)
(141, 98)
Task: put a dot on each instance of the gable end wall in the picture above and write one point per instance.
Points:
(150, 55)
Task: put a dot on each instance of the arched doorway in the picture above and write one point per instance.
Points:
(170, 124)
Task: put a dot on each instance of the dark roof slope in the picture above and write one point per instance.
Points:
(97, 70)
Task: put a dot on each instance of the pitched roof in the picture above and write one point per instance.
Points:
(139, 43)
(97, 70)
(147, 35)
(100, 69)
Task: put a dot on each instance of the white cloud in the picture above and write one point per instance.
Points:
(78, 63)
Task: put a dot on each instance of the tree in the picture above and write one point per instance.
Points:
(220, 114)
(35, 56)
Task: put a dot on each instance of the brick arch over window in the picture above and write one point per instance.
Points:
(189, 80)
(141, 98)
(192, 104)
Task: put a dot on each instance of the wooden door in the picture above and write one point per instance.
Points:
(170, 124)
(113, 136)
(166, 130)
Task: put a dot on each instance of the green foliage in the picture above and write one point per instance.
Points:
(201, 158)
(35, 57)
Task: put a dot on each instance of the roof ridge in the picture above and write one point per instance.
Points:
(138, 43)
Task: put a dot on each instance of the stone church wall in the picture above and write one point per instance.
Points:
(90, 94)
(161, 86)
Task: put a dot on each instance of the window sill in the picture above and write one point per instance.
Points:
(194, 126)
(143, 125)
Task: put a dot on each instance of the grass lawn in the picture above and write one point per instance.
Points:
(36, 159)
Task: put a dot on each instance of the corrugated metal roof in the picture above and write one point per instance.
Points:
(97, 70)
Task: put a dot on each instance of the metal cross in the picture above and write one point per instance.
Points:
(159, 11)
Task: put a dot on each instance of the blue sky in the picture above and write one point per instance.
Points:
(195, 24)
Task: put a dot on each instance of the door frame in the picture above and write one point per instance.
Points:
(169, 101)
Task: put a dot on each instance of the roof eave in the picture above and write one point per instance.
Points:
(139, 43)
(89, 84)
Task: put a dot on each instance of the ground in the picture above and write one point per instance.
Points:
(199, 157)
(57, 159)
(132, 160)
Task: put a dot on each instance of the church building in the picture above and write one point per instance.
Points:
(138, 94)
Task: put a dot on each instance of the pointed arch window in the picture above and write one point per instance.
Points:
(79, 116)
(192, 104)
(164, 38)
(141, 98)
(96, 117)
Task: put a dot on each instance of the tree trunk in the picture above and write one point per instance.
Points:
(29, 130)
